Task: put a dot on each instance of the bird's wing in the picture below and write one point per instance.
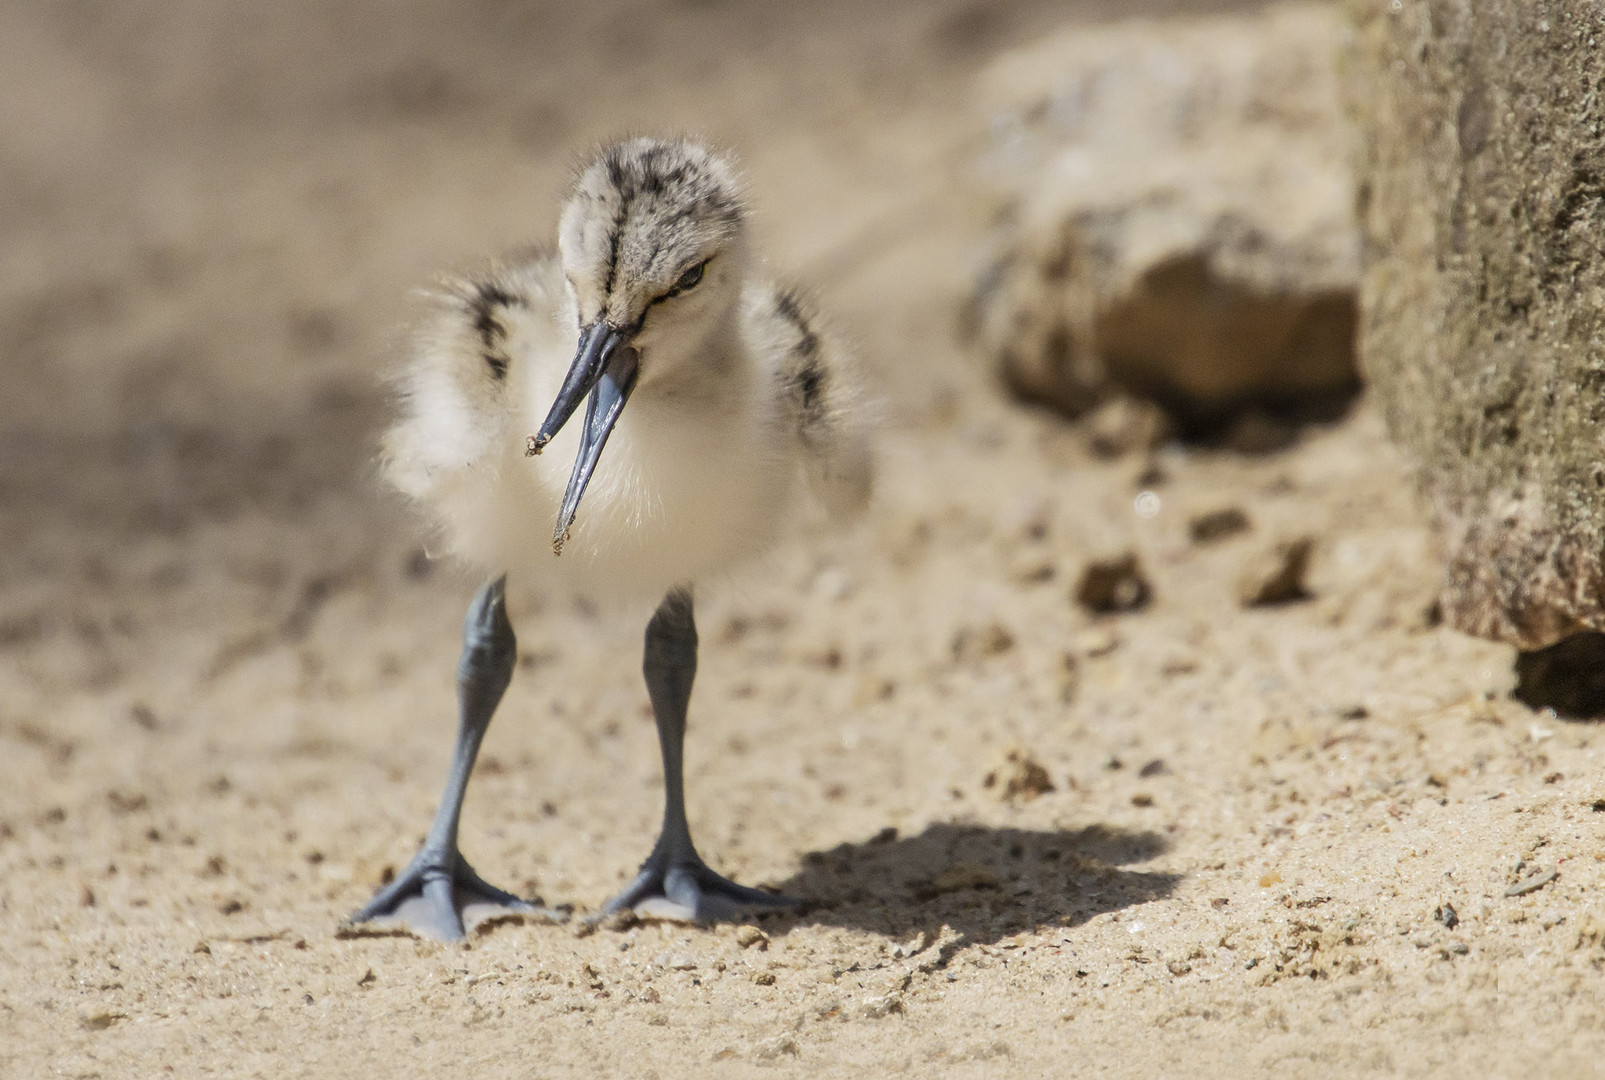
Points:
(458, 398)
(821, 405)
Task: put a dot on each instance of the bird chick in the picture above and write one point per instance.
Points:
(718, 401)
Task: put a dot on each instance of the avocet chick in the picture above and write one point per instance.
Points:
(711, 400)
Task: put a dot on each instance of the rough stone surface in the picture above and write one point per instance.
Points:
(1179, 217)
(1483, 331)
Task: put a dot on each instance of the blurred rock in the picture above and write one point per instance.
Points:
(1217, 525)
(1276, 576)
(1179, 216)
(1483, 199)
(1113, 585)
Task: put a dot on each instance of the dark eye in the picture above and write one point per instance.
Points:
(688, 280)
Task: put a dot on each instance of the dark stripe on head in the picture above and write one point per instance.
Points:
(615, 169)
(676, 182)
(614, 239)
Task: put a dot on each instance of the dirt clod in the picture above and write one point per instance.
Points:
(100, 1021)
(1018, 777)
(1113, 585)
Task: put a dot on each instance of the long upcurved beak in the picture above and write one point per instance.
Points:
(603, 373)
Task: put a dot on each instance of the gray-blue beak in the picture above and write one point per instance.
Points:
(603, 373)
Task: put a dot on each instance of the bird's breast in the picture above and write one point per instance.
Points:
(684, 490)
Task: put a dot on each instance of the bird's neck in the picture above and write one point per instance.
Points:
(710, 368)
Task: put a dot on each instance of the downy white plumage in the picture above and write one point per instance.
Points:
(712, 402)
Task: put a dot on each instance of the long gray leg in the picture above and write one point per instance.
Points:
(429, 896)
(674, 882)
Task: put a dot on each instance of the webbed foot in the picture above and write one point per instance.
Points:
(440, 896)
(685, 889)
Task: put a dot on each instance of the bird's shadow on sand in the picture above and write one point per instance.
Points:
(984, 883)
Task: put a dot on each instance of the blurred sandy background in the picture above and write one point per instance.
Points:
(225, 670)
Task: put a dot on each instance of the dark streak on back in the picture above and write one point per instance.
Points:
(805, 375)
(486, 300)
(786, 303)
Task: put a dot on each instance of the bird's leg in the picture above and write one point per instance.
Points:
(674, 882)
(430, 895)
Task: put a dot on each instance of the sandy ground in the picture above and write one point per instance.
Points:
(225, 671)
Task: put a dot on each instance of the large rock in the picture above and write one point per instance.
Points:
(1180, 214)
(1483, 327)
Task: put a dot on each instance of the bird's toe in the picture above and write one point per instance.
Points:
(442, 898)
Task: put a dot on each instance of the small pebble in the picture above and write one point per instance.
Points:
(1018, 777)
(1032, 571)
(1534, 883)
(876, 1007)
(1112, 585)
(1276, 576)
(1217, 525)
(102, 1020)
(977, 643)
(1097, 641)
